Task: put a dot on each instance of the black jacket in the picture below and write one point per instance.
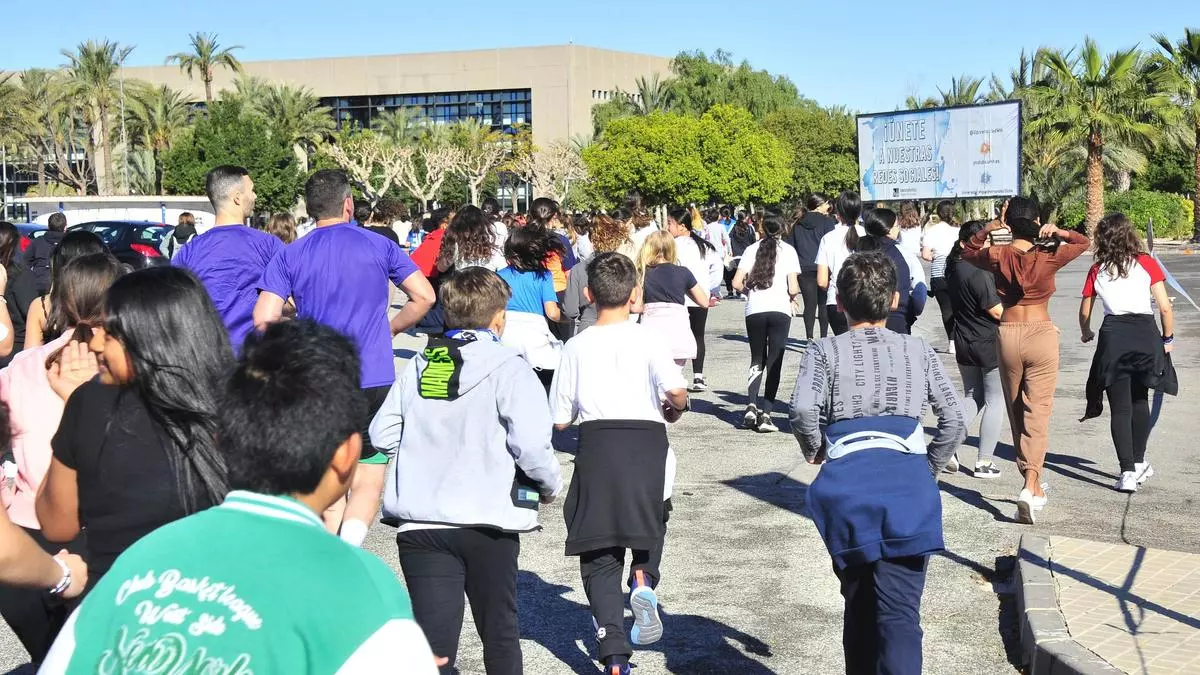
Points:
(738, 243)
(37, 258)
(805, 237)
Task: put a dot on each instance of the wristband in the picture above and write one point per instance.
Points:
(1168, 339)
(63, 583)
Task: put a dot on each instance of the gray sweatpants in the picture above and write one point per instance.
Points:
(983, 393)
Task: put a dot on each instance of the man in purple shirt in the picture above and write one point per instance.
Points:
(338, 275)
(230, 258)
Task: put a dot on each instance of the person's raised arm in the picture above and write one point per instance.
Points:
(808, 404)
(1073, 244)
(948, 408)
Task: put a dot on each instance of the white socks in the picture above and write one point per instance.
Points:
(353, 532)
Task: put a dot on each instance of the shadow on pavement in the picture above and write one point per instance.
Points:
(1000, 576)
(775, 488)
(1058, 463)
(691, 644)
(968, 496)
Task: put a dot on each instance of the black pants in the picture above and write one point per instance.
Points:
(439, 565)
(730, 273)
(940, 290)
(1129, 405)
(768, 333)
(837, 320)
(881, 632)
(815, 299)
(33, 616)
(698, 317)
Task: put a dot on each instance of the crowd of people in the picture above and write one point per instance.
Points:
(173, 433)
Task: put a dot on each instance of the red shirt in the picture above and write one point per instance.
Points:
(426, 254)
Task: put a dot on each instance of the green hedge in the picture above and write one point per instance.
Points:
(1172, 213)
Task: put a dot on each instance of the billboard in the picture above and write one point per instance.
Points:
(941, 153)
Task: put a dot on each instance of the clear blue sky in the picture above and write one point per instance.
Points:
(868, 55)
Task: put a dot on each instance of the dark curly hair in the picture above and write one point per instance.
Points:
(1117, 244)
(527, 249)
(470, 237)
(762, 274)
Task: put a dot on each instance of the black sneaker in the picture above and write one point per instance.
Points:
(698, 384)
(986, 470)
(765, 425)
(750, 419)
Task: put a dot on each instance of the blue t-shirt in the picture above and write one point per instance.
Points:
(338, 276)
(229, 260)
(530, 290)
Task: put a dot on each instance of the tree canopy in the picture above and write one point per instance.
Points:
(823, 148)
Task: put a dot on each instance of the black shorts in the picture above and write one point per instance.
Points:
(375, 399)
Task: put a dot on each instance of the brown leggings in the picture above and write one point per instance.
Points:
(1029, 375)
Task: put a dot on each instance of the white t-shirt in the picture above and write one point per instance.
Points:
(688, 253)
(638, 237)
(776, 298)
(1129, 294)
(910, 240)
(831, 253)
(940, 238)
(716, 235)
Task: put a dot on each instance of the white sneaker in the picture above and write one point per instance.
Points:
(952, 465)
(1144, 471)
(1039, 503)
(1025, 507)
(765, 425)
(750, 419)
(1128, 482)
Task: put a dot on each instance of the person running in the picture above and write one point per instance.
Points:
(470, 241)
(491, 213)
(533, 301)
(618, 381)
(881, 234)
(255, 584)
(833, 250)
(42, 322)
(230, 258)
(977, 312)
(666, 286)
(426, 255)
(470, 434)
(875, 501)
(641, 225)
(936, 243)
(706, 265)
(35, 411)
(1132, 355)
(338, 275)
(41, 250)
(607, 234)
(805, 239)
(185, 229)
(137, 448)
(20, 291)
(769, 275)
(741, 236)
(1028, 340)
(910, 229)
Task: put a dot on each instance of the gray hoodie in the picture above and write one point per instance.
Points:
(468, 426)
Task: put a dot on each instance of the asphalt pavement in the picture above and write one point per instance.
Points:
(747, 585)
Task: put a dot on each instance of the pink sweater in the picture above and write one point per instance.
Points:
(35, 411)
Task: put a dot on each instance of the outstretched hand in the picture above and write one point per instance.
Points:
(76, 364)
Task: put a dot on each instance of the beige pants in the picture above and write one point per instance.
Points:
(1029, 376)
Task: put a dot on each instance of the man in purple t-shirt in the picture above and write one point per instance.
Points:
(338, 275)
(230, 258)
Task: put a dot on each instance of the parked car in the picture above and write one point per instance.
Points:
(137, 243)
(29, 232)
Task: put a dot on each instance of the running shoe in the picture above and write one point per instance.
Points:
(1128, 482)
(698, 384)
(1025, 507)
(647, 626)
(750, 419)
(952, 465)
(986, 470)
(1144, 471)
(765, 425)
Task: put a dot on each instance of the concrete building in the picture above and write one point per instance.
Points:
(552, 89)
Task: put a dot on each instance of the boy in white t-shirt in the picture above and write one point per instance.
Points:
(619, 382)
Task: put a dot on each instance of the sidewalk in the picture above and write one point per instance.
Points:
(1093, 607)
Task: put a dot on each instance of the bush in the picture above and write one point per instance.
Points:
(1172, 213)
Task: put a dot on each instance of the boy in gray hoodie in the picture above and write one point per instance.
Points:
(469, 430)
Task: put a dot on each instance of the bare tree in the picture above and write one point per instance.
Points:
(424, 169)
(552, 169)
(372, 163)
(483, 151)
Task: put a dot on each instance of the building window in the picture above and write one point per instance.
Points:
(497, 109)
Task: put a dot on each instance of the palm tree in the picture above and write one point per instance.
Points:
(964, 90)
(249, 90)
(1096, 99)
(156, 117)
(206, 55)
(1177, 72)
(402, 126)
(653, 95)
(915, 103)
(92, 75)
(296, 115)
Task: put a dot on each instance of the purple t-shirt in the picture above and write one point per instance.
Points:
(338, 276)
(229, 260)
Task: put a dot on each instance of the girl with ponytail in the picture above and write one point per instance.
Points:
(702, 259)
(833, 250)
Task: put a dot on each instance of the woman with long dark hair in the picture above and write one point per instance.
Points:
(20, 289)
(43, 323)
(1132, 354)
(833, 250)
(703, 261)
(136, 448)
(977, 312)
(1024, 273)
(769, 275)
(881, 232)
(939, 238)
(470, 241)
(805, 237)
(533, 301)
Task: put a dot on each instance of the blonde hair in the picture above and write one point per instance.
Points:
(659, 246)
(283, 226)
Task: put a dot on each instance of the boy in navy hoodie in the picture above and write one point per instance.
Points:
(469, 429)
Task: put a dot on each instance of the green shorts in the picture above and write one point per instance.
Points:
(375, 398)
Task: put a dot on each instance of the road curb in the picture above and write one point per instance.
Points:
(1046, 644)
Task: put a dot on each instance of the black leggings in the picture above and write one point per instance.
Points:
(698, 317)
(940, 290)
(837, 320)
(730, 273)
(768, 333)
(1129, 404)
(814, 304)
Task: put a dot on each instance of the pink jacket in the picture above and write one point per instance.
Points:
(35, 411)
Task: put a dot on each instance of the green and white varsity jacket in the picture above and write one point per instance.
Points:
(251, 587)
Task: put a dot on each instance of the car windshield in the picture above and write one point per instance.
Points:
(151, 234)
